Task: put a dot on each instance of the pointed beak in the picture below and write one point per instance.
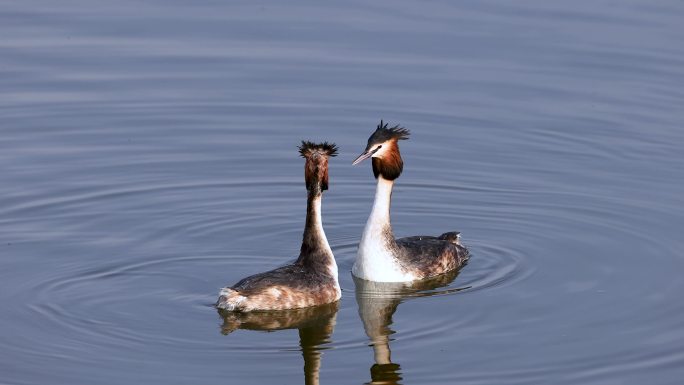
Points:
(362, 157)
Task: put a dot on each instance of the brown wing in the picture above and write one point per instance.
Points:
(430, 256)
(287, 287)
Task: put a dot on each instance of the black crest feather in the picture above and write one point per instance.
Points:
(307, 148)
(316, 165)
(384, 133)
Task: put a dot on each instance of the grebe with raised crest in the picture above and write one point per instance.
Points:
(380, 256)
(312, 279)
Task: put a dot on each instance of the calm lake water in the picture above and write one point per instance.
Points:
(148, 157)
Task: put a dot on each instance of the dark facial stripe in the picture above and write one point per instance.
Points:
(390, 165)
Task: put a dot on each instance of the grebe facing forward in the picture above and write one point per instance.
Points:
(312, 279)
(381, 257)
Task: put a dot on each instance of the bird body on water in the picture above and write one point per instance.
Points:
(311, 280)
(380, 256)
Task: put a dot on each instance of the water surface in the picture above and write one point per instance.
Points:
(148, 157)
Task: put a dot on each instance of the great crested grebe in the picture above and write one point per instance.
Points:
(312, 279)
(381, 257)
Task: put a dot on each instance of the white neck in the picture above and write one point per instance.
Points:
(315, 238)
(375, 260)
(318, 223)
(324, 240)
(380, 214)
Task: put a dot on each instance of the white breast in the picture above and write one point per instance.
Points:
(374, 261)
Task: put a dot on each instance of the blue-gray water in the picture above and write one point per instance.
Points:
(148, 157)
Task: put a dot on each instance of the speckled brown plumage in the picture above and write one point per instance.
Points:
(430, 256)
(426, 256)
(288, 287)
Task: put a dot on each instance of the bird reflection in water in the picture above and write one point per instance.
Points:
(315, 326)
(377, 303)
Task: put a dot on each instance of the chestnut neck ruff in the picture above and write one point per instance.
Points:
(390, 165)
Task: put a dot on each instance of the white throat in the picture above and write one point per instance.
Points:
(375, 260)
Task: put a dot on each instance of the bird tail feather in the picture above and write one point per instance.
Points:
(229, 299)
(453, 237)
